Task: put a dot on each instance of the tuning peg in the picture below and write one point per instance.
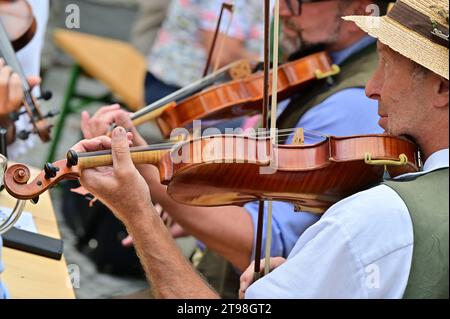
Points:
(51, 114)
(50, 170)
(45, 95)
(24, 135)
(72, 158)
(14, 116)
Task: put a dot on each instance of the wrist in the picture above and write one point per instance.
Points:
(137, 214)
(141, 219)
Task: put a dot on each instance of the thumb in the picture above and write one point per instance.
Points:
(34, 80)
(121, 151)
(84, 124)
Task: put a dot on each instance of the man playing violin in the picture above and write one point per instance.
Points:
(363, 246)
(338, 108)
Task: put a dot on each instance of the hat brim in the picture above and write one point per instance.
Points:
(406, 42)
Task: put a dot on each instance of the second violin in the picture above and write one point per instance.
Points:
(236, 98)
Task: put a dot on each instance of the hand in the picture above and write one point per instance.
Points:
(11, 93)
(100, 123)
(247, 276)
(120, 187)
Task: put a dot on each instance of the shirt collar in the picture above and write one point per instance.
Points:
(339, 57)
(436, 161)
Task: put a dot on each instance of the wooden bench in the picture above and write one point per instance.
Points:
(116, 64)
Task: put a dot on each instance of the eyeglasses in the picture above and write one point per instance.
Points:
(295, 6)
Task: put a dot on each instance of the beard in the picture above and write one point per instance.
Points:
(289, 46)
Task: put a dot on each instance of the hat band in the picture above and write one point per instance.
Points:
(420, 23)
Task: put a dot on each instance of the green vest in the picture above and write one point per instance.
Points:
(355, 73)
(427, 197)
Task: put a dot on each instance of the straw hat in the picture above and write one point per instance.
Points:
(417, 29)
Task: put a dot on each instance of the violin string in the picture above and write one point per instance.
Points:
(169, 145)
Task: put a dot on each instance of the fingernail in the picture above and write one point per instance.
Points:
(119, 131)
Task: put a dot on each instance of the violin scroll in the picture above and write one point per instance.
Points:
(18, 184)
(21, 174)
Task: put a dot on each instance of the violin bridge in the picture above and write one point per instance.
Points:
(240, 70)
(299, 137)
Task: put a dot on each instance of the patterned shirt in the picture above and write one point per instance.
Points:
(178, 56)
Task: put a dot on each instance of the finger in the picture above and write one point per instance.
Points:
(84, 124)
(106, 109)
(15, 93)
(130, 137)
(177, 231)
(34, 81)
(246, 279)
(123, 119)
(122, 162)
(128, 241)
(5, 74)
(92, 145)
(276, 262)
(159, 210)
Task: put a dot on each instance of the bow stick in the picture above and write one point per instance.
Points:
(225, 6)
(265, 109)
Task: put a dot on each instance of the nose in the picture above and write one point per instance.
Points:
(373, 87)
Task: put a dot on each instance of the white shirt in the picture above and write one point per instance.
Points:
(361, 248)
(30, 59)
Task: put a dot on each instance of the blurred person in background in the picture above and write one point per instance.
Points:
(30, 59)
(180, 52)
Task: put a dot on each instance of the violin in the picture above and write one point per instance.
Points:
(226, 169)
(18, 21)
(17, 27)
(239, 97)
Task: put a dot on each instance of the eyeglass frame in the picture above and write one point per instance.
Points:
(300, 2)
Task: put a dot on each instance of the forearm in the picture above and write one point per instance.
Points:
(170, 274)
(225, 230)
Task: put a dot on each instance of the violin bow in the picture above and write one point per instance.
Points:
(222, 40)
(225, 6)
(265, 111)
(273, 125)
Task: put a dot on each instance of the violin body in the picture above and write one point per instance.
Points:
(313, 177)
(244, 96)
(19, 22)
(234, 170)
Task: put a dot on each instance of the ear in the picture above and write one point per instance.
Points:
(364, 7)
(440, 91)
